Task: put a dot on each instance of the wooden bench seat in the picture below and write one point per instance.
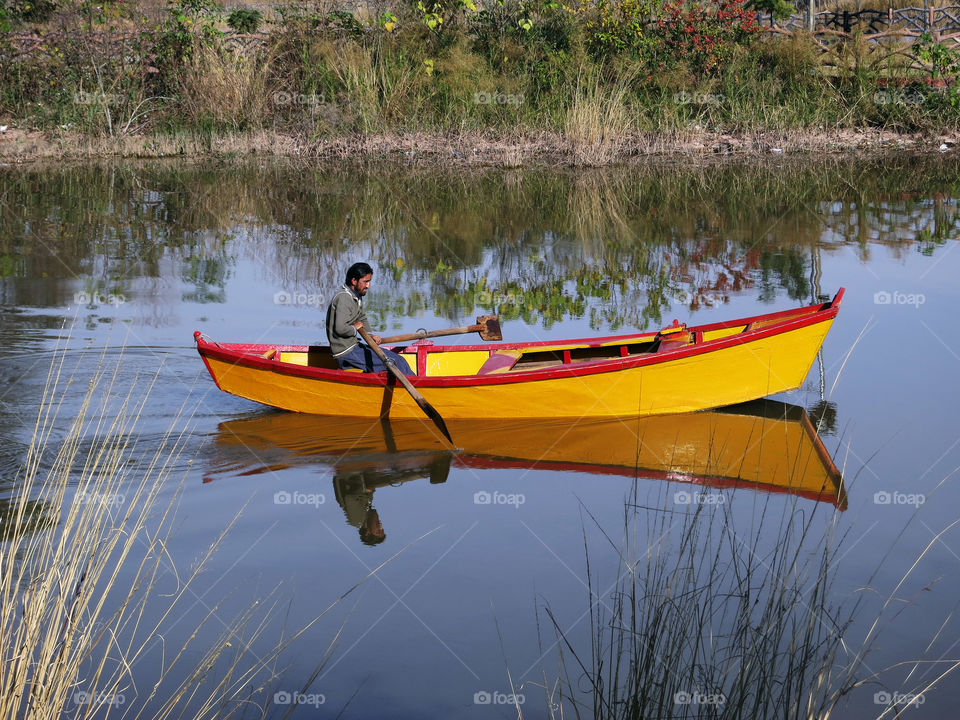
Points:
(500, 362)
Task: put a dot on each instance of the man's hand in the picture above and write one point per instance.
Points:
(375, 338)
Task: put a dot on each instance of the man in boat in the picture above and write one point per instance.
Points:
(345, 316)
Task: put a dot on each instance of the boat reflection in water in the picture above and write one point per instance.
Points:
(764, 445)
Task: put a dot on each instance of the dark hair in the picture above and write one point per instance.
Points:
(371, 531)
(358, 270)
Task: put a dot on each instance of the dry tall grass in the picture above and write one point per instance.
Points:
(372, 94)
(80, 599)
(597, 123)
(226, 88)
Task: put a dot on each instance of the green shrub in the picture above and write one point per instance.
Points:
(245, 20)
(778, 9)
(619, 27)
(188, 22)
(29, 10)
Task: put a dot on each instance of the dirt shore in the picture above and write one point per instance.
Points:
(481, 148)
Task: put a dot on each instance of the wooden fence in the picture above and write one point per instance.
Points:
(905, 24)
(884, 37)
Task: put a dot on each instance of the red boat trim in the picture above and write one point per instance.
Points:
(794, 319)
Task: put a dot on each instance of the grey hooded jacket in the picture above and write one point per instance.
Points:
(345, 309)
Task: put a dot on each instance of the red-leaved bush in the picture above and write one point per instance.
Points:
(704, 35)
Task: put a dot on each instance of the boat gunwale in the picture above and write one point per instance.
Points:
(793, 319)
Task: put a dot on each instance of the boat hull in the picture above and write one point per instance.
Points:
(738, 368)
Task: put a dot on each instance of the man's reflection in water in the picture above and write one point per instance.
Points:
(371, 532)
(354, 488)
(356, 499)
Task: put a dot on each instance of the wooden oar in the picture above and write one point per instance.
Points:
(487, 325)
(427, 408)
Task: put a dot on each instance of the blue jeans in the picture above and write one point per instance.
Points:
(361, 356)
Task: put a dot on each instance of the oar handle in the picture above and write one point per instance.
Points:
(487, 325)
(432, 333)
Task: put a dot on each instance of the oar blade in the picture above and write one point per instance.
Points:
(429, 410)
(432, 413)
(489, 327)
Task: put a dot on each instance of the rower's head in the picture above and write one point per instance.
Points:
(371, 531)
(358, 277)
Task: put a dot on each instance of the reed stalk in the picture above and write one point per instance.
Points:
(83, 550)
(708, 618)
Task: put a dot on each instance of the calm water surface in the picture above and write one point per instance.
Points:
(481, 547)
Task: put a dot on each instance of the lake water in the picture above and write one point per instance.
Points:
(481, 557)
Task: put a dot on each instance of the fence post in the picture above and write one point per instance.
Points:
(846, 21)
(811, 15)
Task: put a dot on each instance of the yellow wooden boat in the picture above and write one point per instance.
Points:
(677, 369)
(764, 445)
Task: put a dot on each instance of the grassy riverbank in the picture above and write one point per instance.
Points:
(585, 84)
